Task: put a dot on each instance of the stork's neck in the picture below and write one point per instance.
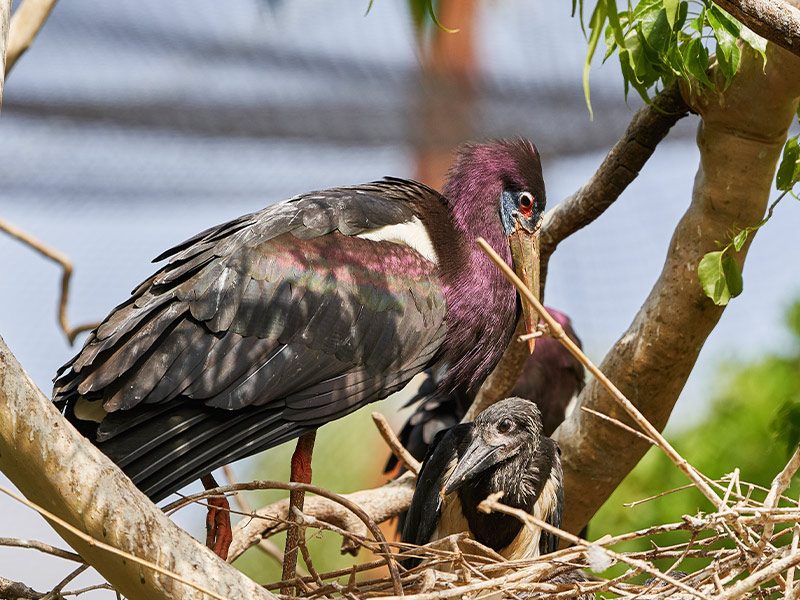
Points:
(481, 304)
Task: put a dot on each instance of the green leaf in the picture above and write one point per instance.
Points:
(720, 277)
(789, 169)
(726, 34)
(698, 23)
(596, 26)
(756, 42)
(723, 19)
(740, 238)
(671, 7)
(657, 30)
(695, 57)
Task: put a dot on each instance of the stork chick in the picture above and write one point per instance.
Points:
(503, 450)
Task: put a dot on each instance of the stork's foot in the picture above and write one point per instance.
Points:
(219, 533)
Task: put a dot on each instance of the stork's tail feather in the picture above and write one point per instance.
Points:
(169, 447)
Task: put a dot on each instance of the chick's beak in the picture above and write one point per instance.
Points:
(525, 256)
(478, 457)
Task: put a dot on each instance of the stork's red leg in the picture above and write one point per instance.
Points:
(301, 473)
(219, 534)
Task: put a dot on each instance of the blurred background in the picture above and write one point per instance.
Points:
(130, 126)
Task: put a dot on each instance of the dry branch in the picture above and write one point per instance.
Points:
(774, 20)
(66, 276)
(58, 469)
(26, 23)
(380, 504)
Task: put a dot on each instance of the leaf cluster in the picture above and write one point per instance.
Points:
(658, 41)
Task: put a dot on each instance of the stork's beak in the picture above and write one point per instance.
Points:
(478, 457)
(525, 255)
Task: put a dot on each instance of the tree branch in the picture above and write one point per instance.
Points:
(58, 469)
(620, 167)
(66, 276)
(380, 504)
(774, 20)
(26, 23)
(740, 138)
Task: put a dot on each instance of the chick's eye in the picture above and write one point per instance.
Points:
(505, 426)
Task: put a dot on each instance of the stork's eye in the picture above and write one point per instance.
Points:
(505, 425)
(526, 203)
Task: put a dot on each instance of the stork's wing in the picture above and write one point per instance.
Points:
(284, 317)
(423, 515)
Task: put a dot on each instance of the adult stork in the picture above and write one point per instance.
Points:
(503, 450)
(550, 378)
(264, 328)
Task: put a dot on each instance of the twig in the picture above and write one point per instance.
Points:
(266, 546)
(55, 593)
(557, 332)
(306, 487)
(491, 504)
(66, 276)
(403, 455)
(781, 481)
(26, 22)
(619, 424)
(102, 545)
(789, 595)
(41, 547)
(739, 589)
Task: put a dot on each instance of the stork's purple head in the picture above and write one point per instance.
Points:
(504, 178)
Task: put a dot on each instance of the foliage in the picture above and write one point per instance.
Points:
(753, 424)
(658, 41)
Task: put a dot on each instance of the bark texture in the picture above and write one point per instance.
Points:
(740, 139)
(774, 20)
(55, 467)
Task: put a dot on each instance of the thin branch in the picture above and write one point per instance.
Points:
(781, 481)
(266, 546)
(388, 435)
(28, 20)
(55, 593)
(41, 547)
(774, 20)
(66, 266)
(491, 504)
(619, 168)
(291, 486)
(557, 332)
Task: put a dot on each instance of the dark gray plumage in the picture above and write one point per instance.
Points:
(503, 450)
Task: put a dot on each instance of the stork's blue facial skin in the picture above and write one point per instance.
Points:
(513, 210)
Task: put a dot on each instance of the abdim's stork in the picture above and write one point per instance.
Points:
(550, 378)
(262, 329)
(503, 450)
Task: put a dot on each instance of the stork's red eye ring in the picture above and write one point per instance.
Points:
(526, 204)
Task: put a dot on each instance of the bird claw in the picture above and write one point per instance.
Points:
(219, 533)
